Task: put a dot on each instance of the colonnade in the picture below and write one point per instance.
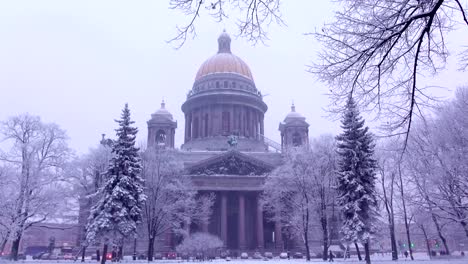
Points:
(224, 120)
(242, 213)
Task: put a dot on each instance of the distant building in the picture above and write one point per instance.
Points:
(38, 237)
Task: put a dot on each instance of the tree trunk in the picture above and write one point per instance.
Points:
(465, 227)
(15, 247)
(428, 246)
(358, 251)
(104, 254)
(367, 252)
(306, 243)
(134, 249)
(120, 253)
(405, 215)
(393, 242)
(388, 201)
(325, 236)
(439, 232)
(150, 248)
(306, 234)
(83, 253)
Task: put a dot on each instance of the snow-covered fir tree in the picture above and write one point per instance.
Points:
(119, 209)
(356, 178)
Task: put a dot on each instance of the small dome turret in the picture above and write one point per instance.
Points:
(162, 113)
(161, 128)
(294, 130)
(293, 115)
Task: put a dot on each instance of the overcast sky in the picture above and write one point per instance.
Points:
(76, 63)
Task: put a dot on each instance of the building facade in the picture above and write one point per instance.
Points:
(225, 151)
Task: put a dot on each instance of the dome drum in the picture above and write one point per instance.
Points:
(215, 119)
(227, 97)
(222, 82)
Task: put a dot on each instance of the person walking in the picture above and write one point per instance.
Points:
(331, 256)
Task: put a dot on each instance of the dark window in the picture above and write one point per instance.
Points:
(161, 137)
(217, 84)
(296, 139)
(225, 84)
(233, 84)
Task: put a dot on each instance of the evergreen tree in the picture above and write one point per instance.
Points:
(119, 208)
(356, 178)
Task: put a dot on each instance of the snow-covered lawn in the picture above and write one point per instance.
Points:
(451, 261)
(375, 260)
(420, 258)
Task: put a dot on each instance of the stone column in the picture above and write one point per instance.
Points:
(210, 121)
(231, 119)
(200, 123)
(259, 219)
(251, 126)
(186, 129)
(236, 119)
(189, 132)
(217, 120)
(242, 244)
(261, 125)
(278, 236)
(241, 120)
(224, 218)
(256, 125)
(172, 137)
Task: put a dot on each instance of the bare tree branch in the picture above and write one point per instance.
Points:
(253, 17)
(376, 50)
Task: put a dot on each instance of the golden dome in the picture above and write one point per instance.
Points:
(224, 61)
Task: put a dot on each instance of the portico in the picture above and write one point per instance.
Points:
(237, 216)
(238, 219)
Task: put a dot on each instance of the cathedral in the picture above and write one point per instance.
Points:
(225, 151)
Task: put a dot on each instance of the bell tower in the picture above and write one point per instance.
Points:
(294, 130)
(161, 128)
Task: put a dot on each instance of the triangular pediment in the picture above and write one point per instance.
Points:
(230, 163)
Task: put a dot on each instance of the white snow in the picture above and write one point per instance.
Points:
(420, 258)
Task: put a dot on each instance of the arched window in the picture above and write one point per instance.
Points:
(296, 139)
(161, 137)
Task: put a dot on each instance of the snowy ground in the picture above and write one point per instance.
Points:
(451, 261)
(419, 259)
